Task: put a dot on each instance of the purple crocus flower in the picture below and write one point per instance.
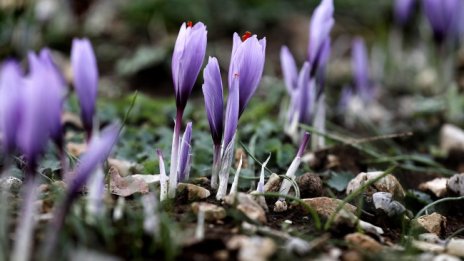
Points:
(402, 10)
(98, 150)
(214, 103)
(345, 97)
(85, 71)
(188, 56)
(321, 24)
(185, 153)
(247, 61)
(11, 81)
(360, 67)
(443, 16)
(305, 95)
(34, 127)
(289, 69)
(55, 90)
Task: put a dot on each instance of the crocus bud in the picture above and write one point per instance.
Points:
(289, 69)
(185, 154)
(11, 85)
(247, 61)
(402, 10)
(443, 16)
(34, 127)
(305, 95)
(214, 103)
(321, 24)
(360, 67)
(55, 91)
(85, 76)
(188, 56)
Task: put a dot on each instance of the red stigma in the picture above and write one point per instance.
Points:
(189, 24)
(246, 36)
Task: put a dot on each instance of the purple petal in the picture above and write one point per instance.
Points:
(289, 69)
(443, 16)
(56, 94)
(232, 112)
(321, 24)
(345, 98)
(247, 61)
(402, 10)
(85, 72)
(34, 128)
(98, 150)
(11, 81)
(303, 96)
(185, 153)
(214, 103)
(360, 65)
(188, 56)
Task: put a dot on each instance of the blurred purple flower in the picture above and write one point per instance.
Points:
(85, 71)
(403, 10)
(98, 150)
(11, 85)
(188, 56)
(443, 17)
(214, 99)
(345, 97)
(36, 108)
(360, 67)
(185, 154)
(321, 24)
(55, 91)
(289, 69)
(247, 61)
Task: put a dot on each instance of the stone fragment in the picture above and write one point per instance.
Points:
(363, 242)
(437, 186)
(433, 223)
(246, 204)
(273, 183)
(193, 192)
(252, 248)
(124, 167)
(386, 184)
(455, 184)
(451, 138)
(212, 212)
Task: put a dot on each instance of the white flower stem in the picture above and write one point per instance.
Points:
(174, 156)
(216, 166)
(234, 187)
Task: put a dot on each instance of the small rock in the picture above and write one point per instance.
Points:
(384, 201)
(273, 183)
(280, 206)
(247, 205)
(451, 138)
(12, 184)
(433, 223)
(125, 186)
(431, 238)
(252, 248)
(212, 212)
(363, 242)
(428, 247)
(326, 207)
(193, 192)
(455, 184)
(310, 185)
(445, 257)
(437, 186)
(124, 167)
(386, 184)
(455, 247)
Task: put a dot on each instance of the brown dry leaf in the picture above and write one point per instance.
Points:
(126, 186)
